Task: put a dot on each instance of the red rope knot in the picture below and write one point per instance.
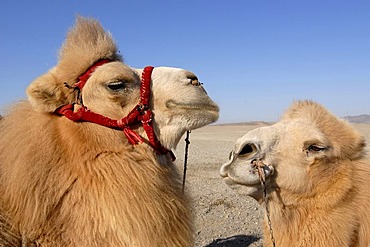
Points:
(133, 137)
(124, 124)
(147, 117)
(142, 107)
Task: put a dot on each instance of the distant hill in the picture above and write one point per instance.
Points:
(364, 118)
(260, 123)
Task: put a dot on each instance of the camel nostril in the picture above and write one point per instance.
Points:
(194, 81)
(248, 149)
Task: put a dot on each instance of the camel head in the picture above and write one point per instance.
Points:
(178, 100)
(298, 154)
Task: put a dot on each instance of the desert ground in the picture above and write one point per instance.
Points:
(222, 217)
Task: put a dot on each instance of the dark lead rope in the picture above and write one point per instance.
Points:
(185, 159)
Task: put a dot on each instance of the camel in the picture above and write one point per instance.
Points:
(86, 160)
(312, 168)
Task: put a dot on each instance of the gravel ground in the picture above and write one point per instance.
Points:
(223, 219)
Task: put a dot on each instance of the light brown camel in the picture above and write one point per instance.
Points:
(67, 183)
(317, 178)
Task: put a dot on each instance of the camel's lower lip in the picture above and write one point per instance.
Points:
(194, 106)
(232, 184)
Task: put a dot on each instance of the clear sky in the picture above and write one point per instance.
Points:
(254, 57)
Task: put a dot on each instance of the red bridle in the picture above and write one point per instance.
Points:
(140, 114)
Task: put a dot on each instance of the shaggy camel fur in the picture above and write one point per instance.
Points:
(65, 183)
(317, 178)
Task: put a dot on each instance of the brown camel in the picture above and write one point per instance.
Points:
(317, 178)
(86, 160)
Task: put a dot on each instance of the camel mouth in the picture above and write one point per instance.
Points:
(193, 106)
(236, 171)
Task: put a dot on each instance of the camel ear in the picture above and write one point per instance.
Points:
(85, 44)
(47, 93)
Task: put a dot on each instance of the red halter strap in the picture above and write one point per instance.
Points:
(140, 114)
(85, 76)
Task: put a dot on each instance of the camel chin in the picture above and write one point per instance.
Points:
(255, 191)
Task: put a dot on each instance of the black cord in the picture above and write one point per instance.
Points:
(185, 159)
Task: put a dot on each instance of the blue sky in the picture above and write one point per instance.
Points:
(254, 57)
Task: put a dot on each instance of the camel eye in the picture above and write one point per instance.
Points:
(117, 85)
(316, 148)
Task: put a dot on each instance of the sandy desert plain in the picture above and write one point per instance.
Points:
(222, 217)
